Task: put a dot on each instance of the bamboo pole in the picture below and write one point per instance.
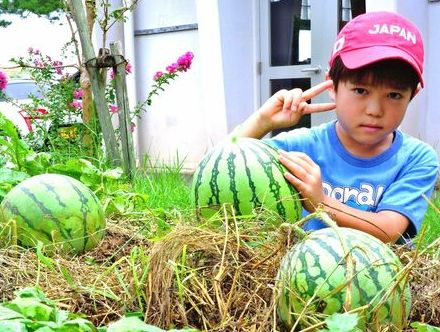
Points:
(128, 154)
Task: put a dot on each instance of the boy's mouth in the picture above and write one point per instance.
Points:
(370, 126)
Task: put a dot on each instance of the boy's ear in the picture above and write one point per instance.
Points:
(331, 91)
(419, 87)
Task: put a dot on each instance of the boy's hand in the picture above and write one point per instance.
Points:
(286, 107)
(305, 176)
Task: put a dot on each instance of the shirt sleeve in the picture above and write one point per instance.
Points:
(294, 140)
(410, 192)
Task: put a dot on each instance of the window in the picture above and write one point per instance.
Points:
(348, 9)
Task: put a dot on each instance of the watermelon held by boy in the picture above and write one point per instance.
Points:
(55, 210)
(245, 174)
(334, 272)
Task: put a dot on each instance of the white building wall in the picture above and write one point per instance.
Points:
(240, 53)
(222, 88)
(173, 128)
(431, 121)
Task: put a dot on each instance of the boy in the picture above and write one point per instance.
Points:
(361, 168)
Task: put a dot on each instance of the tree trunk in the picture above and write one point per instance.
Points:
(98, 86)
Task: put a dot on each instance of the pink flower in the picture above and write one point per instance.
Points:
(3, 80)
(128, 68)
(113, 108)
(76, 104)
(184, 62)
(78, 94)
(172, 68)
(158, 75)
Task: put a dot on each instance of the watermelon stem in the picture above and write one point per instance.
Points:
(14, 232)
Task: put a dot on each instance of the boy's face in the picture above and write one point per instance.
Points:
(368, 114)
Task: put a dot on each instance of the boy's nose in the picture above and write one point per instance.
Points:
(374, 108)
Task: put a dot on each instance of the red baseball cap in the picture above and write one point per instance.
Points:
(377, 36)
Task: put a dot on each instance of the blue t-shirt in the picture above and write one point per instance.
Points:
(394, 180)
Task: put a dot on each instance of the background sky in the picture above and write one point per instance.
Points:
(34, 32)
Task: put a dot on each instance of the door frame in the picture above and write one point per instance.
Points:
(323, 34)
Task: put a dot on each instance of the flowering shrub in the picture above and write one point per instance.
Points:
(62, 96)
(56, 88)
(3, 81)
(160, 78)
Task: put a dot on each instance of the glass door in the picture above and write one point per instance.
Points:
(296, 38)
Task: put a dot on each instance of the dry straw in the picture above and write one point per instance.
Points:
(213, 278)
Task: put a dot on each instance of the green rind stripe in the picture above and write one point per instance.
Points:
(281, 168)
(214, 199)
(200, 171)
(13, 210)
(274, 186)
(232, 183)
(254, 199)
(45, 211)
(85, 209)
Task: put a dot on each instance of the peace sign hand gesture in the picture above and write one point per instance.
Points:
(284, 109)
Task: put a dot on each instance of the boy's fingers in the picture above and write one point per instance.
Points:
(316, 108)
(316, 90)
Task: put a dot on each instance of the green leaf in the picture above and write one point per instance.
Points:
(31, 308)
(11, 176)
(76, 168)
(38, 163)
(46, 261)
(34, 293)
(76, 325)
(8, 314)
(12, 326)
(423, 327)
(33, 304)
(132, 324)
(345, 322)
(114, 173)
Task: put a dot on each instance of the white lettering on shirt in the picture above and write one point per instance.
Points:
(367, 194)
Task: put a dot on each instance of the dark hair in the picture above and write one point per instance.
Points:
(392, 72)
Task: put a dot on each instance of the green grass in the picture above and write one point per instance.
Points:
(164, 186)
(432, 220)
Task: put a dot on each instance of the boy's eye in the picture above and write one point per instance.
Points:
(395, 95)
(360, 91)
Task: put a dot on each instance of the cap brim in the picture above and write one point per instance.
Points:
(365, 56)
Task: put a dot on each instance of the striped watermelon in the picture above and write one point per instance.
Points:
(246, 174)
(54, 208)
(314, 279)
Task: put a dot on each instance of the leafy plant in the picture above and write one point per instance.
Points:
(346, 322)
(430, 222)
(423, 327)
(32, 311)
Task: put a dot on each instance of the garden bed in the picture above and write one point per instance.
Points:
(212, 278)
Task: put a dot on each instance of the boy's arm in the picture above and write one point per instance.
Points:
(305, 176)
(284, 109)
(387, 226)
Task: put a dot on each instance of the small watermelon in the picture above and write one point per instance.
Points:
(54, 209)
(246, 174)
(330, 272)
